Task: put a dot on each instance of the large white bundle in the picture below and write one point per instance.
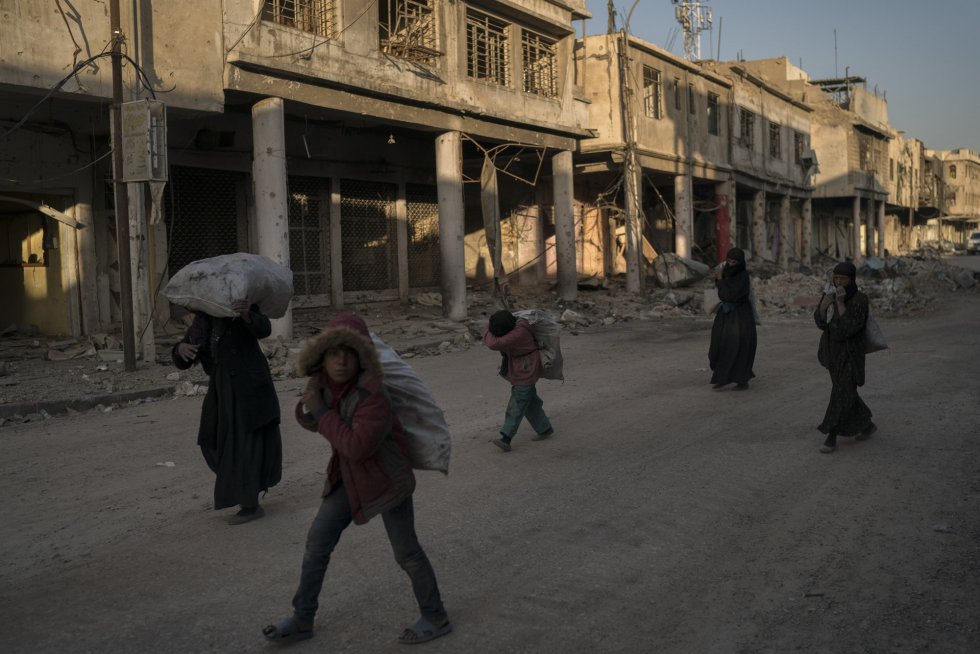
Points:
(213, 285)
(546, 337)
(425, 425)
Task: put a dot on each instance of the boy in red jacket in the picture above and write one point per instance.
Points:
(521, 366)
(369, 474)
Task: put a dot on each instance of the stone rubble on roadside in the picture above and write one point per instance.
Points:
(897, 286)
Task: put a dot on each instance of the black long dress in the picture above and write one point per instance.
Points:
(841, 352)
(239, 430)
(733, 337)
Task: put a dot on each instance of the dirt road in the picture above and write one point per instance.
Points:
(662, 517)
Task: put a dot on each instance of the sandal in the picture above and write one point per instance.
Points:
(423, 631)
(286, 632)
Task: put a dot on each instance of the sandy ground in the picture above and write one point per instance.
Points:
(662, 517)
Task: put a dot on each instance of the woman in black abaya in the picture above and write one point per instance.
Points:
(733, 338)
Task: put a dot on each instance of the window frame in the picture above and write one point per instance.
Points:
(714, 114)
(652, 101)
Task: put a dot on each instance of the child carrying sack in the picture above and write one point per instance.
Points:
(425, 425)
(546, 338)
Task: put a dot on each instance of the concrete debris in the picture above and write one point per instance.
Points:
(174, 376)
(189, 389)
(672, 270)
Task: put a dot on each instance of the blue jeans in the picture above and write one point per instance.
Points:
(330, 521)
(524, 403)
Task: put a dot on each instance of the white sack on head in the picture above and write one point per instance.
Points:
(429, 440)
(213, 285)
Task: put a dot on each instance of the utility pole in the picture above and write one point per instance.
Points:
(121, 195)
(631, 200)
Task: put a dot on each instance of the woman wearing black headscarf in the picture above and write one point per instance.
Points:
(733, 338)
(841, 316)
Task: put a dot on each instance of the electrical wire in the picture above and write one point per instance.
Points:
(62, 176)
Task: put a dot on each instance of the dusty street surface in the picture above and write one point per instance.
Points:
(662, 517)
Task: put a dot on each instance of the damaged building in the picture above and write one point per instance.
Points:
(343, 138)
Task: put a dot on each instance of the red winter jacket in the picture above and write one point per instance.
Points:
(370, 452)
(523, 360)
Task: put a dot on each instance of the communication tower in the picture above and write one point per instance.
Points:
(694, 17)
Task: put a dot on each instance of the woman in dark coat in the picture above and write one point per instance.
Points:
(841, 316)
(733, 338)
(239, 431)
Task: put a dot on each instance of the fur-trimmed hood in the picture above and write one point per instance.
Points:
(347, 329)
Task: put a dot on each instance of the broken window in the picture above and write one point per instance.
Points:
(677, 93)
(952, 172)
(487, 48)
(891, 169)
(714, 115)
(652, 91)
(775, 144)
(407, 29)
(690, 98)
(540, 64)
(864, 152)
(746, 134)
(315, 16)
(799, 146)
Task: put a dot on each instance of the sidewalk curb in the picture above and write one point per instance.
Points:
(61, 406)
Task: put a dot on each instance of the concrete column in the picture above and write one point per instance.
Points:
(632, 203)
(401, 240)
(880, 251)
(758, 225)
(785, 228)
(806, 240)
(449, 185)
(561, 170)
(683, 215)
(856, 234)
(271, 201)
(870, 219)
(336, 247)
(87, 261)
(725, 218)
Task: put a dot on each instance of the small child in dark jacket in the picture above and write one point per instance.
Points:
(521, 366)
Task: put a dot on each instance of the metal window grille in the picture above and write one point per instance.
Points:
(424, 255)
(487, 48)
(540, 64)
(714, 115)
(407, 29)
(652, 92)
(367, 224)
(746, 134)
(799, 145)
(309, 235)
(775, 140)
(316, 16)
(201, 211)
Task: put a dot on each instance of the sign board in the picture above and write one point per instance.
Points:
(144, 141)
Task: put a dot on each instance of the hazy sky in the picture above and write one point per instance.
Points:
(923, 55)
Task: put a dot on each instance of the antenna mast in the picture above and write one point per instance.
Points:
(695, 17)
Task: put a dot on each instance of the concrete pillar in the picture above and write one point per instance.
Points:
(561, 170)
(401, 240)
(880, 250)
(683, 214)
(725, 218)
(87, 261)
(449, 185)
(758, 224)
(806, 238)
(336, 247)
(271, 200)
(856, 233)
(632, 203)
(870, 219)
(785, 230)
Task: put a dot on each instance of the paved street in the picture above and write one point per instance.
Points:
(662, 517)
